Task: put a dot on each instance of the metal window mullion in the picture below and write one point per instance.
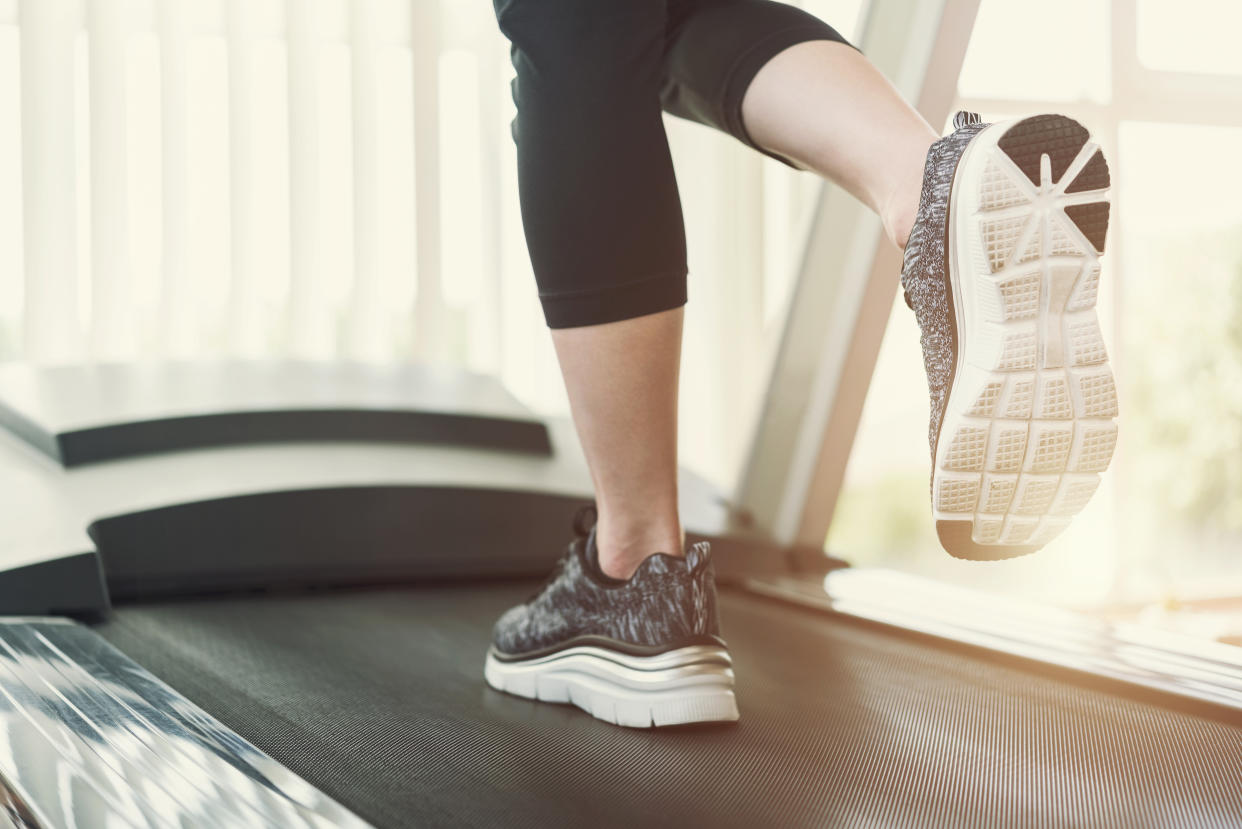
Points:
(1223, 112)
(1123, 40)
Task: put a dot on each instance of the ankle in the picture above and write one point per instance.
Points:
(899, 212)
(622, 549)
(900, 208)
(898, 220)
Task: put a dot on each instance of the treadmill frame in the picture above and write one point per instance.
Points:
(94, 739)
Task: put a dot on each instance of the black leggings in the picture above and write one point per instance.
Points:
(599, 199)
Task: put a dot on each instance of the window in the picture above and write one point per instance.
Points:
(1165, 528)
(1190, 35)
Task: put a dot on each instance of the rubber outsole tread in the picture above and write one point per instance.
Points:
(1092, 220)
(1055, 136)
(1028, 424)
(1094, 176)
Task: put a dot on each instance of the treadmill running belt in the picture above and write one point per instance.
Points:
(377, 698)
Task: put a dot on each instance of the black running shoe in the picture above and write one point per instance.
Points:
(1002, 269)
(642, 652)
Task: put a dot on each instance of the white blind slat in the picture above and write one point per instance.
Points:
(180, 334)
(493, 141)
(429, 310)
(368, 329)
(246, 323)
(53, 331)
(112, 318)
(310, 329)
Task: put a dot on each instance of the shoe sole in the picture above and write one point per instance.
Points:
(688, 685)
(1030, 421)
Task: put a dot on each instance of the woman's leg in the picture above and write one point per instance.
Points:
(789, 85)
(602, 216)
(825, 106)
(1019, 435)
(622, 384)
(603, 225)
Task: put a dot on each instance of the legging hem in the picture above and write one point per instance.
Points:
(613, 303)
(748, 65)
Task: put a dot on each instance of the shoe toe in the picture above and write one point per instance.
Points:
(507, 634)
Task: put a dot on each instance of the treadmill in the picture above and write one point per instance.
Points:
(260, 594)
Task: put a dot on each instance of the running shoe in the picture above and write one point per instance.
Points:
(1002, 270)
(640, 652)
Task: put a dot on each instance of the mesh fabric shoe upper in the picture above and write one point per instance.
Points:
(668, 602)
(924, 272)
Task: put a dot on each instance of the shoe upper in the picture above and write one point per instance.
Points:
(669, 602)
(925, 266)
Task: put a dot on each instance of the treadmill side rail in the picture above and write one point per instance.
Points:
(72, 584)
(90, 738)
(1174, 670)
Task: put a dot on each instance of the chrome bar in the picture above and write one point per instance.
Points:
(90, 738)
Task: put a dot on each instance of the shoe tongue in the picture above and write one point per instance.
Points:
(964, 119)
(591, 551)
(698, 555)
(591, 554)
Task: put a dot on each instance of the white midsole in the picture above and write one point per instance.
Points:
(693, 684)
(963, 302)
(1028, 494)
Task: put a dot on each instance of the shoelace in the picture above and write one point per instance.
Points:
(584, 519)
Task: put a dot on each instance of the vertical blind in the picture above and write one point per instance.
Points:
(327, 180)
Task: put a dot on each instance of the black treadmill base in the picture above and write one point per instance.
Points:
(377, 698)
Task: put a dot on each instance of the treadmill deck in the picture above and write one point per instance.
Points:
(377, 698)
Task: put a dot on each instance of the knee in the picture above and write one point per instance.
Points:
(599, 198)
(584, 68)
(579, 44)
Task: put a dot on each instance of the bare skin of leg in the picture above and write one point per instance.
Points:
(820, 104)
(823, 105)
(622, 384)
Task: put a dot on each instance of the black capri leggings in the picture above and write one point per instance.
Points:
(599, 199)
